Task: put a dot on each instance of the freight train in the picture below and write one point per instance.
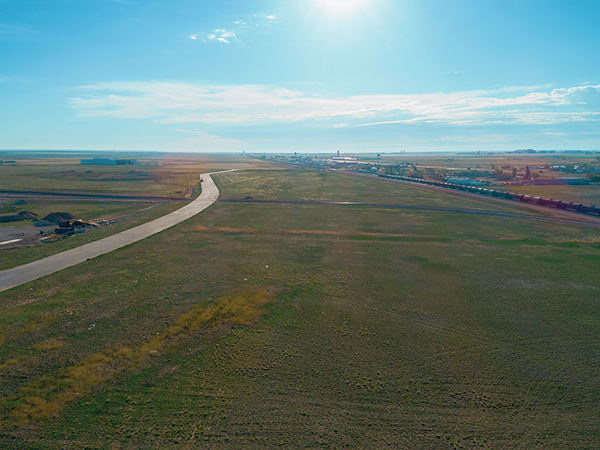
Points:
(593, 210)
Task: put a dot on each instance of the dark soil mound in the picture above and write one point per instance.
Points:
(43, 223)
(23, 215)
(57, 217)
(27, 214)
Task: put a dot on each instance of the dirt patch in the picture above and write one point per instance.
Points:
(310, 232)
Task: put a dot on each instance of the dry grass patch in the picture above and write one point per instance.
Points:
(46, 396)
(48, 345)
(312, 233)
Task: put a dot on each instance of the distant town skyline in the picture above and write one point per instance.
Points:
(302, 76)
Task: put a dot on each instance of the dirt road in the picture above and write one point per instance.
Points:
(46, 266)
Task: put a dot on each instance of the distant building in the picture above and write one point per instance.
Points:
(343, 160)
(107, 162)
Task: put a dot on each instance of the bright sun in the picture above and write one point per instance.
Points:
(340, 6)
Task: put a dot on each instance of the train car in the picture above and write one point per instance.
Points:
(551, 203)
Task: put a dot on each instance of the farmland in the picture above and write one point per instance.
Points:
(300, 326)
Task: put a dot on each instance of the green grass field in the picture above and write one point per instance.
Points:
(310, 326)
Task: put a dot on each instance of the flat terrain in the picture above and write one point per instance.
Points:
(90, 209)
(586, 194)
(55, 263)
(165, 175)
(12, 255)
(158, 174)
(304, 326)
(336, 187)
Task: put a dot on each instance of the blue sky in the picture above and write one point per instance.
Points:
(299, 75)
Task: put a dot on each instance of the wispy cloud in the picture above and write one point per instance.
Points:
(15, 80)
(248, 104)
(221, 35)
(201, 138)
(13, 32)
(241, 26)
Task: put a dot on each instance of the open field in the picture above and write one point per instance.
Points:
(303, 326)
(476, 165)
(163, 175)
(321, 185)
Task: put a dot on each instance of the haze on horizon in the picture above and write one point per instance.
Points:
(299, 75)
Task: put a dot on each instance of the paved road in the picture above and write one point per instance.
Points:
(46, 266)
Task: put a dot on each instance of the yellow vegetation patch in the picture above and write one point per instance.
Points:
(37, 323)
(46, 396)
(309, 232)
(9, 362)
(48, 344)
(34, 324)
(226, 230)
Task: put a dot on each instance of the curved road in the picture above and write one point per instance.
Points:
(32, 271)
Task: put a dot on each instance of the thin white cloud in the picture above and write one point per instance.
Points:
(15, 80)
(209, 140)
(482, 139)
(14, 32)
(240, 26)
(248, 104)
(220, 35)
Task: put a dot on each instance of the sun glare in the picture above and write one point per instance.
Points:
(336, 7)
